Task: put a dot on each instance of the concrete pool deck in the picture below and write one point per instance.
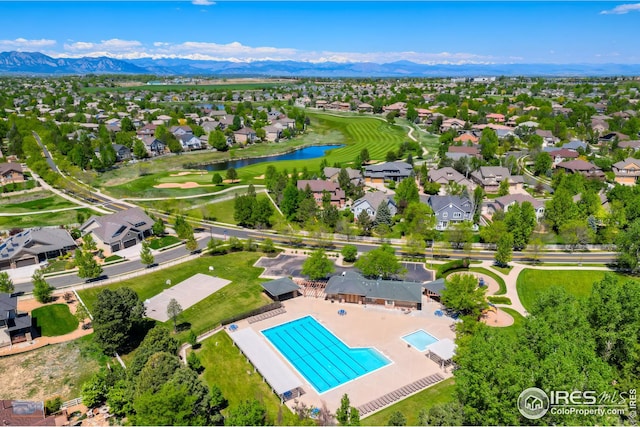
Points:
(366, 326)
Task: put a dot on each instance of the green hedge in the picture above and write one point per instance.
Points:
(499, 300)
(457, 264)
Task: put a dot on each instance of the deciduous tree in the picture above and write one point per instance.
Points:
(380, 262)
(41, 289)
(317, 265)
(146, 257)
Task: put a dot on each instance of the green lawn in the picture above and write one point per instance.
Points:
(502, 287)
(233, 374)
(161, 242)
(411, 406)
(577, 282)
(223, 211)
(29, 203)
(54, 320)
(113, 258)
(33, 219)
(242, 294)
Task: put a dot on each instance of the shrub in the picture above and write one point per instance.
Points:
(52, 406)
(499, 300)
(452, 265)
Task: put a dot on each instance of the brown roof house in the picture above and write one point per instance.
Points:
(448, 175)
(318, 187)
(11, 173)
(245, 136)
(27, 413)
(119, 230)
(490, 177)
(581, 166)
(627, 171)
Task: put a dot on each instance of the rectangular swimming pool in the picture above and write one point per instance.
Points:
(420, 339)
(319, 356)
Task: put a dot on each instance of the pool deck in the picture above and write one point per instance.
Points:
(367, 326)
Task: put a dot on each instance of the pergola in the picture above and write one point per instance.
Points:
(442, 352)
(282, 380)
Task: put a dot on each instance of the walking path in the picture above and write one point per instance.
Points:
(193, 196)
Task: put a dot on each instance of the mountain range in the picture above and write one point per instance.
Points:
(35, 63)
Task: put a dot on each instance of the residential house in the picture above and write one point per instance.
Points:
(496, 117)
(154, 146)
(449, 124)
(581, 166)
(32, 246)
(633, 145)
(355, 175)
(365, 108)
(505, 202)
(467, 138)
(11, 173)
(490, 177)
(318, 187)
(562, 155)
(177, 131)
(245, 135)
(450, 209)
(397, 107)
(473, 151)
(627, 171)
(118, 230)
(189, 142)
(575, 145)
(147, 130)
(352, 287)
(122, 153)
(28, 413)
(285, 122)
(371, 202)
(447, 176)
(390, 171)
(14, 327)
(611, 137)
(272, 133)
(547, 137)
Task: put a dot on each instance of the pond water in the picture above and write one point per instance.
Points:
(301, 154)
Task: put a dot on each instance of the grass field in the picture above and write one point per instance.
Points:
(161, 242)
(34, 219)
(233, 374)
(502, 287)
(411, 406)
(243, 294)
(29, 203)
(223, 211)
(577, 282)
(54, 320)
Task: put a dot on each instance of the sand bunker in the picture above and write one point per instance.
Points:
(188, 173)
(183, 185)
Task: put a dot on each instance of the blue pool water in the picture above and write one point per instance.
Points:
(420, 339)
(319, 356)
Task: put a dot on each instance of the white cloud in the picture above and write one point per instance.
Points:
(622, 9)
(238, 52)
(203, 2)
(24, 44)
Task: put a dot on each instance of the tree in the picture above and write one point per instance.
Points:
(88, 267)
(364, 155)
(267, 246)
(232, 175)
(627, 245)
(88, 244)
(218, 140)
(504, 249)
(460, 235)
(488, 144)
(115, 313)
(146, 257)
(503, 188)
(493, 231)
(157, 339)
(41, 289)
(247, 413)
(342, 413)
(349, 253)
(182, 228)
(139, 150)
(406, 193)
(391, 156)
(6, 284)
(576, 233)
(159, 368)
(542, 163)
(415, 245)
(364, 223)
(354, 417)
(419, 220)
(290, 201)
(191, 244)
(173, 311)
(383, 215)
(158, 227)
(344, 181)
(442, 414)
(462, 294)
(397, 418)
(380, 262)
(317, 265)
(81, 313)
(193, 361)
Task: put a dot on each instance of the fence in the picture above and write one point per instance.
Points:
(260, 310)
(70, 403)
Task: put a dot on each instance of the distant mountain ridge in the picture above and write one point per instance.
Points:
(35, 63)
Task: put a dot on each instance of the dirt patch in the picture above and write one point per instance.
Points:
(497, 318)
(56, 370)
(183, 185)
(259, 177)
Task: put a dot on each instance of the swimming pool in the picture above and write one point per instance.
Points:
(319, 356)
(420, 339)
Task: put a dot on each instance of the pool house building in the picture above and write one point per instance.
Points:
(354, 288)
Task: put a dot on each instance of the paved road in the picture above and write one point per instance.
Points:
(47, 155)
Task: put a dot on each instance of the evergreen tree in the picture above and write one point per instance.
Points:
(41, 289)
(383, 215)
(364, 223)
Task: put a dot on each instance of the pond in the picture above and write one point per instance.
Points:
(301, 154)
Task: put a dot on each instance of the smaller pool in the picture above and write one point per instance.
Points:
(420, 339)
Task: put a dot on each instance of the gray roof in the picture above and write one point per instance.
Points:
(353, 173)
(270, 366)
(22, 321)
(389, 169)
(353, 283)
(446, 173)
(375, 199)
(519, 198)
(437, 286)
(6, 167)
(280, 286)
(111, 227)
(437, 203)
(575, 144)
(8, 303)
(36, 241)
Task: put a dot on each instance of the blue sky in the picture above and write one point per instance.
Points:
(426, 32)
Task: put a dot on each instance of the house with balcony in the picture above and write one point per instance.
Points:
(450, 210)
(627, 171)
